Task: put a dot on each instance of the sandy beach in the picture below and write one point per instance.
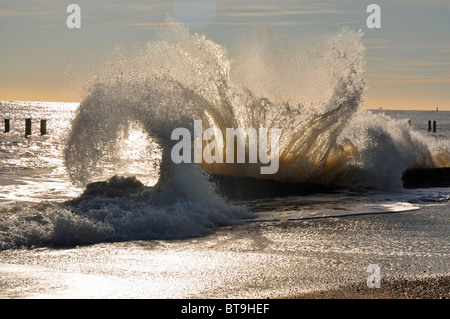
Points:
(425, 288)
(316, 258)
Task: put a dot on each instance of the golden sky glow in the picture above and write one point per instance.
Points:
(408, 59)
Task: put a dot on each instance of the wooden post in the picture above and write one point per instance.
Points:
(43, 127)
(7, 126)
(429, 126)
(434, 126)
(27, 127)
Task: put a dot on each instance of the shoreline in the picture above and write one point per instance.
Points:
(435, 287)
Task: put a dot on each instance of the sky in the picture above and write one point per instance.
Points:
(41, 59)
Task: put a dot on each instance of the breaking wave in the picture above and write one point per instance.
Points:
(314, 97)
(121, 209)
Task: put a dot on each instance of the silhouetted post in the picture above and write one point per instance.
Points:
(434, 126)
(27, 127)
(43, 127)
(7, 128)
(429, 126)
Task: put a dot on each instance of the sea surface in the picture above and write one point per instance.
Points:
(33, 168)
(278, 247)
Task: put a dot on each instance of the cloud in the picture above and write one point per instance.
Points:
(344, 23)
(401, 78)
(416, 81)
(149, 25)
(272, 23)
(10, 13)
(377, 47)
(279, 13)
(155, 25)
(250, 6)
(139, 7)
(428, 63)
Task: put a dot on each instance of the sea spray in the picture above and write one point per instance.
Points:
(183, 77)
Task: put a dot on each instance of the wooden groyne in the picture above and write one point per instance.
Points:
(241, 188)
(434, 127)
(28, 126)
(426, 177)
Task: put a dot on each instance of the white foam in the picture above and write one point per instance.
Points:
(185, 206)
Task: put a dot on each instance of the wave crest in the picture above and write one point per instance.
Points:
(326, 134)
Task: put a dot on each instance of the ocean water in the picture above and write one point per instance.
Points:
(96, 208)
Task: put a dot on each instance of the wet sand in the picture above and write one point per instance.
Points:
(425, 288)
(316, 258)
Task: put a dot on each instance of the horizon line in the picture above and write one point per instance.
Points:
(370, 108)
